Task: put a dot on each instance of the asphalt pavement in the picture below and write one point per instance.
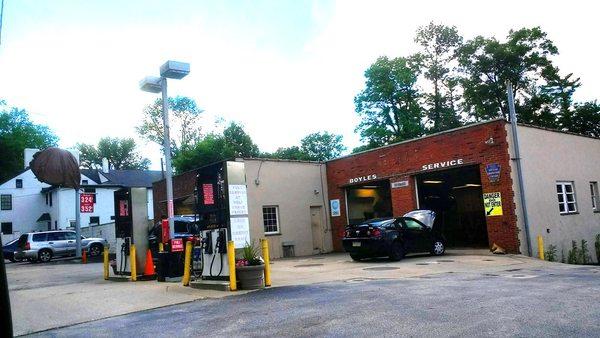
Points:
(557, 300)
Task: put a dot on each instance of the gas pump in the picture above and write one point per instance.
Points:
(222, 213)
(131, 227)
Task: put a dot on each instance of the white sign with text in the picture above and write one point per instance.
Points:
(238, 200)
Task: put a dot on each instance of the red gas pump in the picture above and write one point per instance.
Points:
(165, 231)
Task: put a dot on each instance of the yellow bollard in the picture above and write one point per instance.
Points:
(540, 241)
(231, 261)
(160, 247)
(133, 263)
(105, 263)
(186, 263)
(265, 251)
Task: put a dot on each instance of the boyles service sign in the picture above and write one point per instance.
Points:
(363, 178)
(445, 164)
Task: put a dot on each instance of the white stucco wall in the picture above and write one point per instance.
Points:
(548, 157)
(28, 204)
(290, 186)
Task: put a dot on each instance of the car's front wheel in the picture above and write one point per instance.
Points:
(438, 248)
(45, 255)
(397, 251)
(95, 250)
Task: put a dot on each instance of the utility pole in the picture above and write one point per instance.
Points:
(1, 17)
(167, 146)
(517, 159)
(77, 223)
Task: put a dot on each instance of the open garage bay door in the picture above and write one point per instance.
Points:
(456, 196)
(369, 200)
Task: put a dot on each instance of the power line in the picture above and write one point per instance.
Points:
(1, 16)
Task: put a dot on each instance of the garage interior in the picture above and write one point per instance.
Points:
(456, 197)
(369, 200)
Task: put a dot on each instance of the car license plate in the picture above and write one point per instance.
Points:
(355, 243)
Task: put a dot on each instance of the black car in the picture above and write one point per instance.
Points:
(185, 228)
(8, 250)
(394, 237)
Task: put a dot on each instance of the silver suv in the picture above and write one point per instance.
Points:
(42, 246)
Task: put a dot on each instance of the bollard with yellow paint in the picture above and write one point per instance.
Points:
(160, 247)
(106, 263)
(231, 261)
(186, 263)
(133, 263)
(540, 241)
(265, 251)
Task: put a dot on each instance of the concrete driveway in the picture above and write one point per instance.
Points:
(58, 294)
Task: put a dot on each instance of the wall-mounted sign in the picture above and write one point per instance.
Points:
(123, 208)
(440, 165)
(176, 245)
(240, 231)
(493, 172)
(492, 203)
(208, 193)
(400, 184)
(335, 208)
(363, 178)
(238, 201)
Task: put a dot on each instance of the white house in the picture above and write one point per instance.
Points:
(30, 205)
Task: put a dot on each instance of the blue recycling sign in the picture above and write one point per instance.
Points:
(493, 171)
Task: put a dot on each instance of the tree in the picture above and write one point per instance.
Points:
(322, 146)
(120, 152)
(184, 123)
(288, 153)
(389, 105)
(438, 46)
(233, 142)
(488, 64)
(18, 132)
(585, 119)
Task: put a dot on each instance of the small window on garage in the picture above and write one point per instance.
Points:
(271, 219)
(5, 202)
(6, 228)
(595, 196)
(94, 220)
(19, 183)
(567, 204)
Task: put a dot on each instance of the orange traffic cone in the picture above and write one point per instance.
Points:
(149, 268)
(83, 256)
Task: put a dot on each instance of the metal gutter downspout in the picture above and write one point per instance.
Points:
(517, 159)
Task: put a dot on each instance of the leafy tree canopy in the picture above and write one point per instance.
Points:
(120, 152)
(18, 132)
(322, 146)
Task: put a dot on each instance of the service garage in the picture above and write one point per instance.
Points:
(464, 175)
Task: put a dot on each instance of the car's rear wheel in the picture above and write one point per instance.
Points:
(95, 250)
(44, 255)
(356, 257)
(397, 251)
(438, 248)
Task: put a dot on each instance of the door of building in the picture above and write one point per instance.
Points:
(316, 221)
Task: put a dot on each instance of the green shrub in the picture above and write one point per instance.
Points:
(584, 253)
(550, 254)
(573, 254)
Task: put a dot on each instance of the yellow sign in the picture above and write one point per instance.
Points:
(492, 202)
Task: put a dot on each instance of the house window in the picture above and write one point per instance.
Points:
(91, 191)
(50, 198)
(595, 196)
(19, 183)
(72, 223)
(5, 202)
(566, 197)
(271, 219)
(46, 198)
(84, 182)
(94, 220)
(6, 228)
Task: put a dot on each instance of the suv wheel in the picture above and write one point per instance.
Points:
(95, 250)
(438, 248)
(356, 257)
(397, 252)
(45, 255)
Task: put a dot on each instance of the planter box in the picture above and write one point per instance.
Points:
(250, 277)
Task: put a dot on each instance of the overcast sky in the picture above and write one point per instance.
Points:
(282, 68)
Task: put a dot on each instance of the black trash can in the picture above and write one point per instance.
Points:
(170, 265)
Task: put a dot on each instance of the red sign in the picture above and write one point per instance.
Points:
(123, 208)
(165, 231)
(86, 203)
(209, 194)
(176, 245)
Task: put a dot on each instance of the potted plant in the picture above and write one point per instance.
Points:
(249, 269)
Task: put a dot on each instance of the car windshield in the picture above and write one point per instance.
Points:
(11, 242)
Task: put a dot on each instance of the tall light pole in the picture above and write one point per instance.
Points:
(152, 84)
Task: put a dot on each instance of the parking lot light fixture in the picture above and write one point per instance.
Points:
(153, 84)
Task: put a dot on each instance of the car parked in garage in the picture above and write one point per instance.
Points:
(43, 246)
(394, 237)
(8, 250)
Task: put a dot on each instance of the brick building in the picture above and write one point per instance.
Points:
(467, 175)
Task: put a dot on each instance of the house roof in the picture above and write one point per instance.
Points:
(132, 178)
